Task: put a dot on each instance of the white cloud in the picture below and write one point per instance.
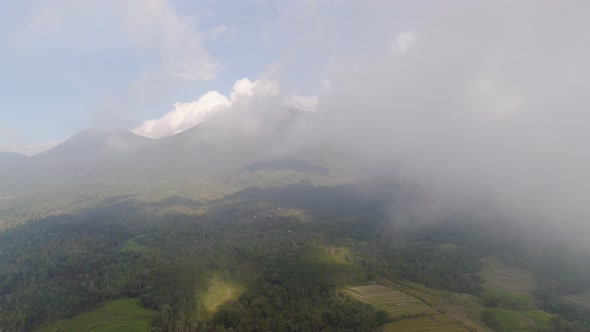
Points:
(184, 116)
(187, 115)
(403, 42)
(154, 25)
(326, 86)
(247, 88)
(304, 103)
(221, 31)
(143, 28)
(487, 117)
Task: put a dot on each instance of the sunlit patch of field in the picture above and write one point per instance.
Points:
(124, 315)
(317, 265)
(395, 303)
(581, 299)
(132, 246)
(503, 277)
(436, 323)
(339, 254)
(219, 292)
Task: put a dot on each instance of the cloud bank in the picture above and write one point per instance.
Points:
(486, 114)
(187, 115)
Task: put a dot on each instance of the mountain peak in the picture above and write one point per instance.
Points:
(98, 143)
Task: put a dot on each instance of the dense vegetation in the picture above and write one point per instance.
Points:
(257, 259)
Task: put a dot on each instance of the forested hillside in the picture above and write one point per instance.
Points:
(260, 259)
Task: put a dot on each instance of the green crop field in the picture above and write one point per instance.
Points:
(542, 319)
(519, 300)
(124, 315)
(396, 304)
(132, 246)
(436, 323)
(510, 320)
(500, 276)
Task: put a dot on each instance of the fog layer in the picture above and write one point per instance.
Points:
(483, 109)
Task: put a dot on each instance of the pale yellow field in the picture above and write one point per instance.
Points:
(395, 303)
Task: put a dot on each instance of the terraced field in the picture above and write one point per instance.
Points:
(395, 303)
(463, 308)
(510, 320)
(501, 276)
(581, 299)
(436, 323)
(116, 316)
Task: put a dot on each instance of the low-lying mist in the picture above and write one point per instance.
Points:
(482, 112)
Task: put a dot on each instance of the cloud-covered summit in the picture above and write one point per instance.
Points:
(186, 115)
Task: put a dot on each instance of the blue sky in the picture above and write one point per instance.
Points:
(70, 65)
(56, 82)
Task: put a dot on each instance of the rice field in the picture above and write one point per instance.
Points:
(503, 277)
(435, 323)
(581, 299)
(125, 315)
(395, 303)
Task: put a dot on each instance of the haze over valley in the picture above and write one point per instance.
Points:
(294, 166)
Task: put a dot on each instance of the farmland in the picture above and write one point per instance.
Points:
(435, 323)
(500, 276)
(229, 270)
(581, 299)
(463, 308)
(395, 303)
(408, 312)
(119, 315)
(510, 320)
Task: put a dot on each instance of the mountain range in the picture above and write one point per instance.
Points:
(223, 155)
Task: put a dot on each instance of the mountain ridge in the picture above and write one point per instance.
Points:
(97, 143)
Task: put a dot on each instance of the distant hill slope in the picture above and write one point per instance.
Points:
(213, 159)
(10, 158)
(96, 143)
(280, 164)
